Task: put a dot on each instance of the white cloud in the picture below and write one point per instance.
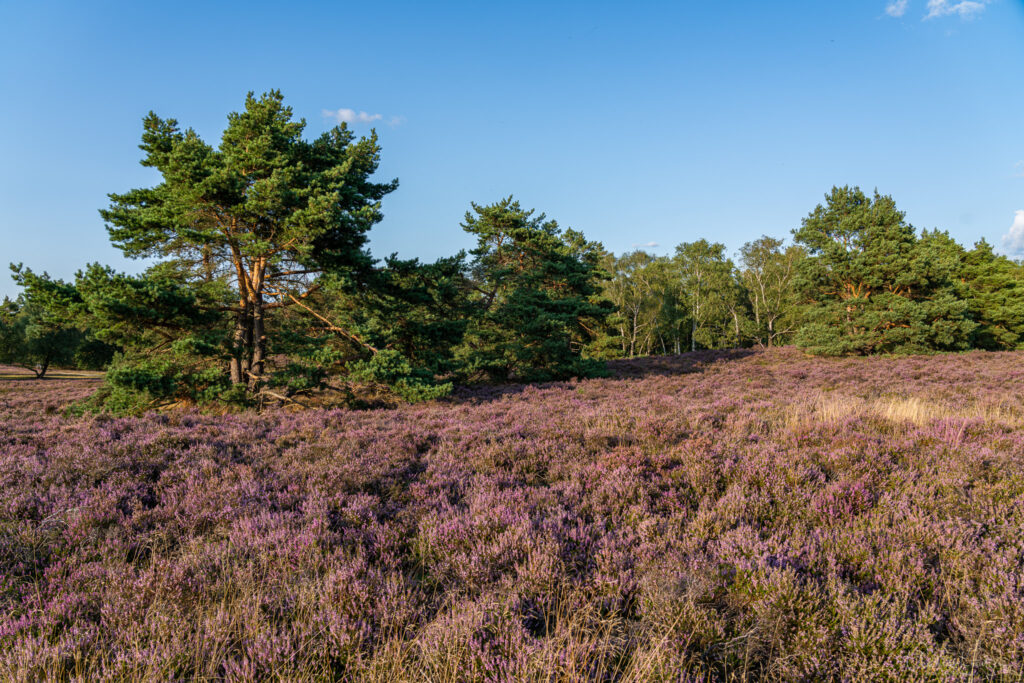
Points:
(965, 8)
(1013, 240)
(649, 245)
(1020, 169)
(896, 8)
(350, 116)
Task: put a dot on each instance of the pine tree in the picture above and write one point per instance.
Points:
(38, 330)
(995, 294)
(871, 285)
(534, 290)
(265, 213)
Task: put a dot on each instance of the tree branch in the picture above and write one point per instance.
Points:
(331, 326)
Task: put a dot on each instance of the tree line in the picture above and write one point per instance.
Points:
(263, 287)
(857, 280)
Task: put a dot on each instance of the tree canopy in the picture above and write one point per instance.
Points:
(261, 284)
(872, 285)
(260, 216)
(535, 288)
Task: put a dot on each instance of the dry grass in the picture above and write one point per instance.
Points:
(916, 410)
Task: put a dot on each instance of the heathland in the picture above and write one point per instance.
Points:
(717, 515)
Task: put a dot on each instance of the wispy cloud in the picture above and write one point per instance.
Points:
(897, 8)
(649, 245)
(1013, 240)
(1019, 166)
(353, 116)
(964, 8)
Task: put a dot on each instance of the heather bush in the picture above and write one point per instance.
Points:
(711, 516)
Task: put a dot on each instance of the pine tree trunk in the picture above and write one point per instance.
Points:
(241, 363)
(259, 344)
(237, 343)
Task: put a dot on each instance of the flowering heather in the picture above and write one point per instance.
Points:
(707, 516)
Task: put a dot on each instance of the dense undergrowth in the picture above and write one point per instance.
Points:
(706, 516)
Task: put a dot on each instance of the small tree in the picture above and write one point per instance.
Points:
(27, 341)
(705, 275)
(173, 338)
(534, 290)
(995, 294)
(33, 333)
(633, 288)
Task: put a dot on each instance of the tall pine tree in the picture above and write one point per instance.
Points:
(265, 212)
(871, 286)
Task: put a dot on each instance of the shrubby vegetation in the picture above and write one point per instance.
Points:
(37, 334)
(712, 516)
(263, 288)
(718, 515)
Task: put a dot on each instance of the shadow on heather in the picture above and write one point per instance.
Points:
(625, 368)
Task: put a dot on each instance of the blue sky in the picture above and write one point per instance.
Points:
(639, 123)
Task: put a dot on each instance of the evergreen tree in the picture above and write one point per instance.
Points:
(995, 295)
(534, 291)
(38, 330)
(593, 336)
(405, 320)
(264, 214)
(28, 339)
(871, 285)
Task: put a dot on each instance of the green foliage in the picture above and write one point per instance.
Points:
(419, 310)
(768, 275)
(258, 218)
(995, 294)
(872, 286)
(710, 293)
(390, 368)
(40, 329)
(650, 313)
(174, 339)
(263, 284)
(535, 290)
(139, 382)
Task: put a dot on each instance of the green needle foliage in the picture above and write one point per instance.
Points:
(995, 292)
(536, 295)
(42, 328)
(406, 321)
(263, 285)
(263, 214)
(873, 286)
